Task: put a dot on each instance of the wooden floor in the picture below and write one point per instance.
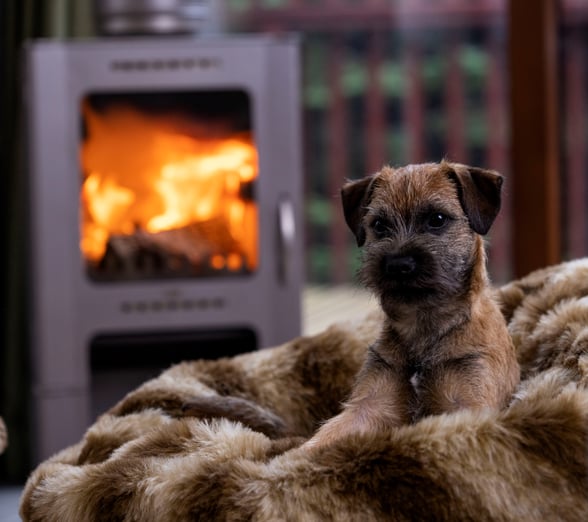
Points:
(323, 306)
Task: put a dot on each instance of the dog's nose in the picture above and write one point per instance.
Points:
(399, 266)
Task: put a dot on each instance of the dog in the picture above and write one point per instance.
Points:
(444, 344)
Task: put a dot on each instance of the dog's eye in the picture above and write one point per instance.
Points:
(379, 227)
(436, 220)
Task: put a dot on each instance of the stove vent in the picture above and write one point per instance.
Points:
(174, 64)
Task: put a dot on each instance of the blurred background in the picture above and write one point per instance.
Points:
(490, 83)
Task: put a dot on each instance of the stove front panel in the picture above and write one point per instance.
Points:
(165, 196)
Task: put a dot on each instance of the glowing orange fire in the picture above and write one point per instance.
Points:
(147, 173)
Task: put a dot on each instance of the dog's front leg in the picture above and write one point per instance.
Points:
(381, 398)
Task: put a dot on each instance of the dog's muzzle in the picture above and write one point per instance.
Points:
(399, 267)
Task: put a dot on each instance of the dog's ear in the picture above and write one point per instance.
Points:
(479, 193)
(355, 196)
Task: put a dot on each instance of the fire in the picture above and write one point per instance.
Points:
(147, 173)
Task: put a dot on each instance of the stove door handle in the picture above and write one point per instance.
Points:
(286, 237)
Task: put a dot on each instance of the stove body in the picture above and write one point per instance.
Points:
(165, 206)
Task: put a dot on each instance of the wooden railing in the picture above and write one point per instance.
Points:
(430, 82)
(575, 109)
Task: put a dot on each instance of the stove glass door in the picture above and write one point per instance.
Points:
(168, 185)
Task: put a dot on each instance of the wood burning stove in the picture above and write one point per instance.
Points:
(165, 197)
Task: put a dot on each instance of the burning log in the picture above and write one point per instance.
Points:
(181, 251)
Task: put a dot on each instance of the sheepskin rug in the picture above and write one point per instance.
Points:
(146, 459)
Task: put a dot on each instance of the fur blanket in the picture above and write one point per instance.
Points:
(145, 460)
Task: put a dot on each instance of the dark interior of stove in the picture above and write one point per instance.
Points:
(231, 107)
(159, 350)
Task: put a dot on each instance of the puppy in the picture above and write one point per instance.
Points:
(444, 344)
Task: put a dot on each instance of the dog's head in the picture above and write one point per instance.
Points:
(421, 225)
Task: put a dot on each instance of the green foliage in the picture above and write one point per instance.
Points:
(321, 260)
(319, 211)
(320, 264)
(316, 96)
(396, 145)
(393, 78)
(477, 128)
(316, 93)
(433, 72)
(354, 262)
(274, 4)
(354, 78)
(474, 63)
(238, 6)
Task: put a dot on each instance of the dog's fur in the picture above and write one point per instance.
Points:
(444, 344)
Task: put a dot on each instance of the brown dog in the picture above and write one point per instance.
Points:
(444, 343)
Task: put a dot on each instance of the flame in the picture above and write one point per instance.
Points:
(142, 173)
